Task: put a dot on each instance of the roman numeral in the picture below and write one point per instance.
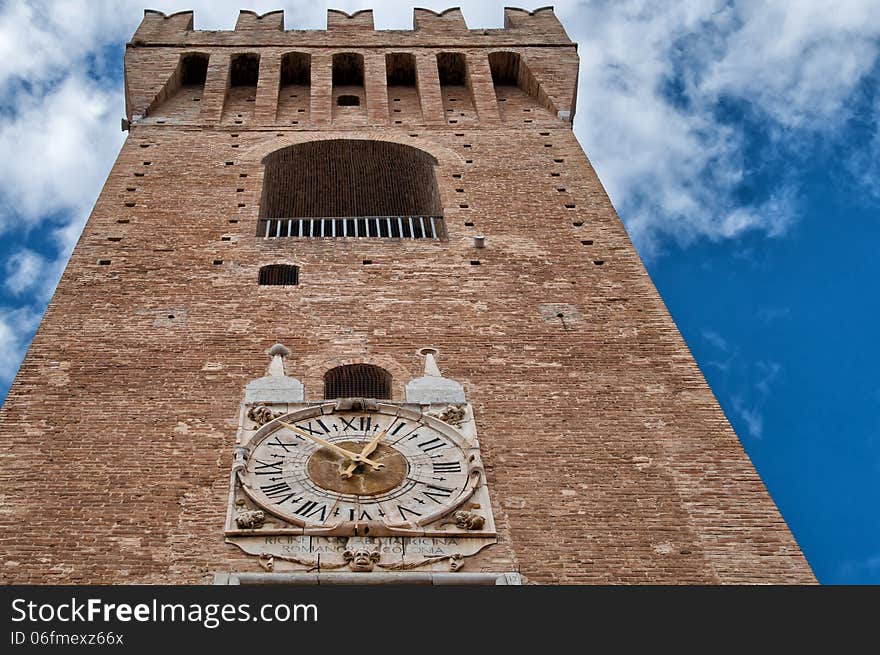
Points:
(365, 423)
(348, 424)
(399, 427)
(432, 444)
(446, 467)
(310, 508)
(363, 517)
(311, 430)
(279, 492)
(437, 492)
(267, 468)
(280, 444)
(404, 509)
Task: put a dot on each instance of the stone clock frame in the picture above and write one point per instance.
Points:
(434, 547)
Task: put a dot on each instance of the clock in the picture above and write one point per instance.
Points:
(335, 471)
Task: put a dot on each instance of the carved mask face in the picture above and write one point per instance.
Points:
(361, 559)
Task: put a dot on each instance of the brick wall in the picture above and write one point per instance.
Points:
(608, 458)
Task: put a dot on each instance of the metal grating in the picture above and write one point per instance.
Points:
(357, 381)
(279, 274)
(375, 227)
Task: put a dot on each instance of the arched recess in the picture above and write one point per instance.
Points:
(348, 179)
(404, 105)
(241, 94)
(455, 88)
(519, 95)
(294, 93)
(357, 381)
(181, 95)
(348, 82)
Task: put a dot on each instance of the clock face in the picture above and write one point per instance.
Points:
(359, 467)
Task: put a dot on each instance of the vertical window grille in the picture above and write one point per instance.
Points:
(357, 381)
(279, 274)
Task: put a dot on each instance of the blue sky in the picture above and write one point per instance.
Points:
(738, 139)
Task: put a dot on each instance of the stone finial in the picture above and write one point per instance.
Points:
(276, 386)
(432, 387)
(431, 368)
(277, 353)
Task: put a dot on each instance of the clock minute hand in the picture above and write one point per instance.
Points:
(332, 446)
(367, 450)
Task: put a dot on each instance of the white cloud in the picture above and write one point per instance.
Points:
(63, 149)
(16, 329)
(674, 169)
(798, 61)
(23, 270)
(28, 272)
(751, 417)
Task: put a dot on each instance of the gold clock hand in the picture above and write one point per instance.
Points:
(332, 446)
(367, 450)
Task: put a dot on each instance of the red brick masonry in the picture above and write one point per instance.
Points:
(609, 459)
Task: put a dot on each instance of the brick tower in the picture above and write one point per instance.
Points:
(410, 215)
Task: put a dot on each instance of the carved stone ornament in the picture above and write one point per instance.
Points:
(362, 559)
(260, 414)
(468, 520)
(250, 519)
(454, 415)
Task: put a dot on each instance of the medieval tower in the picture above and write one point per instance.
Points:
(354, 303)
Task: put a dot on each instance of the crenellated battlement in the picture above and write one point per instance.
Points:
(539, 27)
(360, 20)
(440, 73)
(254, 22)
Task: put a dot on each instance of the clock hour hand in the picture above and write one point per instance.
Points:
(367, 450)
(332, 446)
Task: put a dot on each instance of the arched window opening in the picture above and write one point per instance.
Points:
(357, 381)
(455, 88)
(241, 96)
(400, 68)
(193, 69)
(404, 105)
(348, 80)
(350, 188)
(348, 69)
(279, 275)
(181, 95)
(244, 70)
(294, 93)
(516, 89)
(296, 69)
